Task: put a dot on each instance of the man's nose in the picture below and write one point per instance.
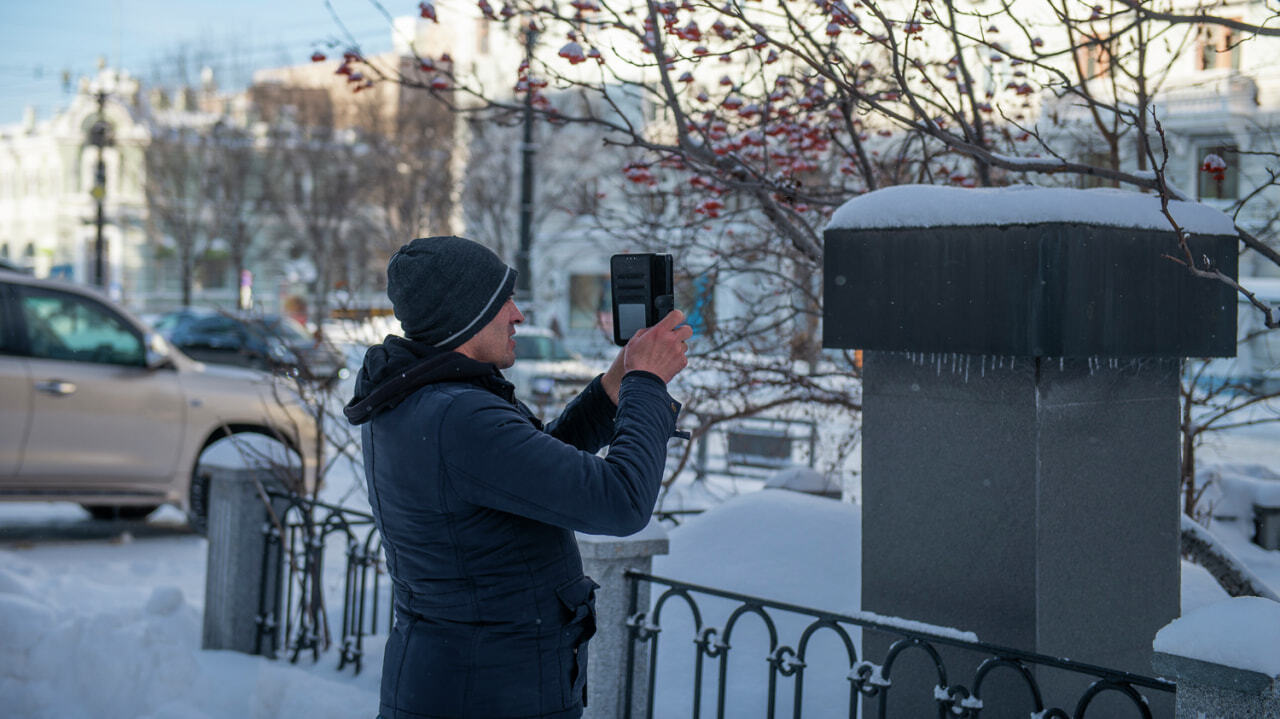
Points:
(519, 316)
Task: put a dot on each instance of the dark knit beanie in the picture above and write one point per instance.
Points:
(446, 289)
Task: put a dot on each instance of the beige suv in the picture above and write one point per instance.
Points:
(97, 408)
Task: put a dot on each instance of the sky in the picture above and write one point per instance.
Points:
(39, 40)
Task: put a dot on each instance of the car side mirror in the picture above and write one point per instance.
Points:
(159, 353)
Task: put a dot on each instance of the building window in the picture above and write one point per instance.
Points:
(1093, 56)
(1222, 185)
(589, 302)
(4, 250)
(213, 269)
(1217, 48)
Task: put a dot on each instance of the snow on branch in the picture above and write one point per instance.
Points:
(1200, 546)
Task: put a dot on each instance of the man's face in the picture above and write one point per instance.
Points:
(494, 343)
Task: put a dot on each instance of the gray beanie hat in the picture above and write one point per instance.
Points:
(446, 289)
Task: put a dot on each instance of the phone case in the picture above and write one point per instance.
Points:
(642, 289)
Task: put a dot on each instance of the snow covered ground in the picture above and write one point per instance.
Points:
(112, 628)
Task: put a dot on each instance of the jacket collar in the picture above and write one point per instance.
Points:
(398, 367)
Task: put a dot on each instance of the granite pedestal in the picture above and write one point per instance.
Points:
(1020, 440)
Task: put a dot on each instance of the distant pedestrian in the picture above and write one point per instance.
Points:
(477, 501)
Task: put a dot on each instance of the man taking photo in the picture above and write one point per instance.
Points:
(477, 502)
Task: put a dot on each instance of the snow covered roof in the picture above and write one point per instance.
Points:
(933, 206)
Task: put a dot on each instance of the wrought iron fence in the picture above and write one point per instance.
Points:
(293, 612)
(867, 679)
(293, 616)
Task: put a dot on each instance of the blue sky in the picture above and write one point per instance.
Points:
(40, 39)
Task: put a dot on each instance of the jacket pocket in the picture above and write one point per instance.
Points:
(578, 596)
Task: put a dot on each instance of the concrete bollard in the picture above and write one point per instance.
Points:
(238, 550)
(606, 560)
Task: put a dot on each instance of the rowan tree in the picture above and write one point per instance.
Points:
(760, 117)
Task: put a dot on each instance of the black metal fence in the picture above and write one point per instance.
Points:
(293, 616)
(867, 679)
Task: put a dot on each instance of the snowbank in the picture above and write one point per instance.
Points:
(1232, 490)
(777, 544)
(1242, 632)
(773, 543)
(932, 206)
(121, 638)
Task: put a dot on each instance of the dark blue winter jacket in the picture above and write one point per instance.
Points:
(476, 503)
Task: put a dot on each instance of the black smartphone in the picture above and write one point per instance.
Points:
(643, 292)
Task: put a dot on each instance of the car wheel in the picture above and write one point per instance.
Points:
(126, 512)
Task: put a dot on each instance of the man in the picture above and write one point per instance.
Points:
(477, 502)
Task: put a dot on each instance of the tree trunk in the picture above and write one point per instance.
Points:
(1189, 495)
(186, 277)
(237, 260)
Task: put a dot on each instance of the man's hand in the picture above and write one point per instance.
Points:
(659, 349)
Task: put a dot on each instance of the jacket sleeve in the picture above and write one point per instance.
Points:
(587, 421)
(495, 458)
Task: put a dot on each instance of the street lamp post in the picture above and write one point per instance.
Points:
(524, 284)
(100, 137)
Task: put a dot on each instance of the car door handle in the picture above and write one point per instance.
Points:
(56, 387)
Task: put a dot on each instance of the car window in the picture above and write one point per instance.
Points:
(64, 326)
(287, 329)
(540, 348)
(167, 323)
(215, 328)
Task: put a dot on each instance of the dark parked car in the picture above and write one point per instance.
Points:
(267, 342)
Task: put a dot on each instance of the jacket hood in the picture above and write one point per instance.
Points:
(399, 367)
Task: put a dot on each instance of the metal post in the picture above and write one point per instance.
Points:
(524, 285)
(98, 136)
